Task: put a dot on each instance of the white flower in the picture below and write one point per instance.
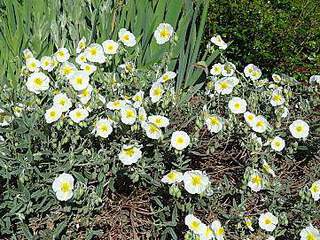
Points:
(103, 128)
(81, 59)
(260, 124)
(277, 98)
(228, 69)
(79, 114)
(255, 181)
(128, 115)
(47, 63)
(94, 53)
(218, 229)
(276, 77)
(53, 114)
(127, 38)
(249, 117)
(85, 95)
(142, 115)
(79, 80)
(266, 167)
(237, 105)
(27, 54)
(315, 190)
(88, 68)
(223, 86)
(62, 55)
(217, 40)
(81, 45)
(214, 123)
(216, 69)
(163, 33)
(194, 224)
(195, 181)
(252, 71)
(110, 47)
(278, 144)
(62, 102)
(67, 69)
(299, 129)
(129, 154)
(180, 140)
(116, 105)
(206, 234)
(156, 92)
(315, 79)
(152, 130)
(159, 121)
(167, 76)
(37, 82)
(172, 177)
(268, 222)
(63, 187)
(310, 233)
(138, 98)
(33, 64)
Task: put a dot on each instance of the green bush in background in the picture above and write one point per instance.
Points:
(277, 35)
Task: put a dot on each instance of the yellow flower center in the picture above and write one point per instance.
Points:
(196, 180)
(172, 176)
(53, 114)
(214, 121)
(164, 33)
(103, 128)
(157, 92)
(65, 187)
(195, 225)
(110, 47)
(311, 236)
(220, 231)
(67, 70)
(314, 188)
(129, 151)
(267, 221)
(79, 80)
(256, 179)
(299, 129)
(129, 113)
(277, 98)
(153, 129)
(260, 124)
(180, 140)
(78, 114)
(224, 85)
(126, 37)
(93, 51)
(250, 117)
(237, 105)
(165, 77)
(38, 81)
(61, 53)
(62, 102)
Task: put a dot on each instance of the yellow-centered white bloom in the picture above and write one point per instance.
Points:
(128, 115)
(167, 76)
(216, 69)
(94, 53)
(252, 71)
(129, 154)
(142, 115)
(67, 69)
(81, 59)
(228, 69)
(249, 118)
(88, 68)
(62, 55)
(63, 186)
(163, 33)
(194, 224)
(33, 64)
(218, 230)
(172, 177)
(127, 38)
(315, 190)
(152, 131)
(79, 80)
(159, 121)
(156, 92)
(85, 95)
(237, 105)
(27, 54)
(81, 45)
(62, 102)
(138, 99)
(195, 181)
(79, 114)
(260, 124)
(47, 63)
(103, 128)
(248, 223)
(268, 222)
(207, 233)
(255, 181)
(314, 79)
(276, 78)
(277, 98)
(266, 167)
(37, 82)
(214, 123)
(223, 86)
(180, 140)
(299, 129)
(110, 47)
(53, 114)
(217, 40)
(310, 233)
(116, 105)
(278, 144)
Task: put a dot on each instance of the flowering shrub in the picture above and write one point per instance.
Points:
(88, 120)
